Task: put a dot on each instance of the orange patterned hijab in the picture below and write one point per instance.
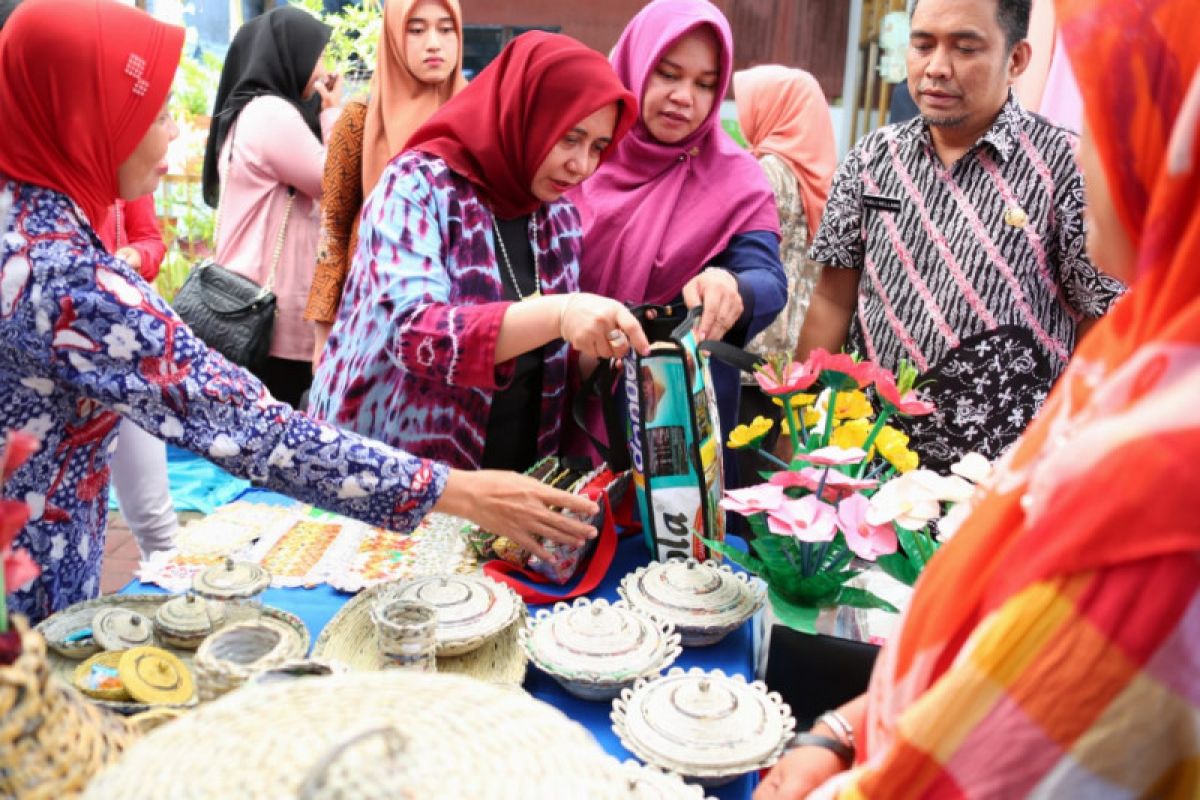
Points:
(399, 102)
(1108, 472)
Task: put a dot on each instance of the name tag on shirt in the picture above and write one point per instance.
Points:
(879, 202)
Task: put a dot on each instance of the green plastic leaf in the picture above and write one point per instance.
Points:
(740, 557)
(861, 598)
(899, 567)
(797, 616)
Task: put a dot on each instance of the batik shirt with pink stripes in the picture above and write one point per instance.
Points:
(989, 250)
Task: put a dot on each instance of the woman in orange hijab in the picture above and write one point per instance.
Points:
(419, 69)
(1052, 648)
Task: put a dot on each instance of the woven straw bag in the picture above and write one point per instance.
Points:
(427, 736)
(52, 739)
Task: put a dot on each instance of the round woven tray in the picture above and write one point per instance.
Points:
(461, 738)
(349, 638)
(80, 615)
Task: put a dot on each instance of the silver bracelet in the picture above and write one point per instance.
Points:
(840, 726)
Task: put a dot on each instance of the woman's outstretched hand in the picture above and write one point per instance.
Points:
(518, 507)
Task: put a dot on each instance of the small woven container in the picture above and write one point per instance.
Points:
(407, 633)
(52, 739)
(462, 739)
(105, 658)
(227, 658)
(350, 638)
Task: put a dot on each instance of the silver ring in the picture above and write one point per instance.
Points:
(616, 335)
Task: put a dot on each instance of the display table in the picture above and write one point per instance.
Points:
(733, 655)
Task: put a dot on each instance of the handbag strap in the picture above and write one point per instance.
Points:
(287, 216)
(597, 568)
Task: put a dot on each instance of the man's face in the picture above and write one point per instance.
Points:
(959, 65)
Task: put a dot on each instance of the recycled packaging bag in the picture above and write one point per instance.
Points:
(674, 437)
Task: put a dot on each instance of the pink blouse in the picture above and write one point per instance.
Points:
(273, 149)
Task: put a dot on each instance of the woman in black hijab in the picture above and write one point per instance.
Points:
(262, 171)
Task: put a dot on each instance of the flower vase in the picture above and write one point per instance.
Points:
(52, 740)
(814, 669)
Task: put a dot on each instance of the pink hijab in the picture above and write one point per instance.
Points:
(655, 214)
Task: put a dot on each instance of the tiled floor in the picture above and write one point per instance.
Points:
(121, 552)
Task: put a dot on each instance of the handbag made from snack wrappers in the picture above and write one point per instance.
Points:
(511, 564)
(661, 419)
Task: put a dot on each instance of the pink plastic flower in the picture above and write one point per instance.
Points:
(19, 568)
(861, 372)
(833, 456)
(807, 519)
(909, 403)
(753, 499)
(866, 540)
(796, 377)
(837, 484)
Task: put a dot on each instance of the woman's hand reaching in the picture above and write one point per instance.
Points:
(599, 327)
(518, 507)
(717, 290)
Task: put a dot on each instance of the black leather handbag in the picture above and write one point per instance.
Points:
(231, 313)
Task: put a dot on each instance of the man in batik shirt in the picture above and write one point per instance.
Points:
(955, 241)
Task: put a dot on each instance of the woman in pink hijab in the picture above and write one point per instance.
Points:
(680, 213)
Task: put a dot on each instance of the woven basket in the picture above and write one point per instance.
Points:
(459, 738)
(52, 739)
(350, 639)
(54, 628)
(229, 657)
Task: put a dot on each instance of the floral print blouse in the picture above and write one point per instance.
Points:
(83, 341)
(412, 356)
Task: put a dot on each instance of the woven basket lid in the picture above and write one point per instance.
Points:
(703, 724)
(651, 783)
(189, 615)
(463, 739)
(232, 580)
(470, 608)
(86, 683)
(598, 641)
(153, 675)
(121, 629)
(690, 593)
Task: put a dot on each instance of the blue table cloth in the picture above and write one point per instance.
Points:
(733, 655)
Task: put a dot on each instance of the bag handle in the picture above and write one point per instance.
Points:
(732, 355)
(287, 216)
(597, 568)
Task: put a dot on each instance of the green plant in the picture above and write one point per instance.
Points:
(195, 86)
(355, 38)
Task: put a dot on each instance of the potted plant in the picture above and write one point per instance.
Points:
(851, 495)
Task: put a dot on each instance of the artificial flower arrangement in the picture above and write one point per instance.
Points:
(18, 568)
(852, 488)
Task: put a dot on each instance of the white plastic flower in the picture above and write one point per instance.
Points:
(974, 467)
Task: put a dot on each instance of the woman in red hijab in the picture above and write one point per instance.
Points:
(453, 332)
(84, 340)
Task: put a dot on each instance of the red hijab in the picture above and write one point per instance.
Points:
(498, 130)
(83, 80)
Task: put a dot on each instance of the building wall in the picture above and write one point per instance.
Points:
(810, 34)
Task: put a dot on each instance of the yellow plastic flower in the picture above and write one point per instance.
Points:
(798, 400)
(811, 417)
(903, 459)
(889, 438)
(851, 434)
(749, 435)
(853, 405)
